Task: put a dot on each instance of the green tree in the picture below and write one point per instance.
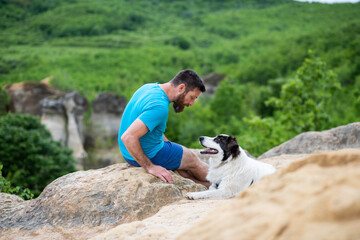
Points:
(228, 101)
(29, 156)
(304, 99)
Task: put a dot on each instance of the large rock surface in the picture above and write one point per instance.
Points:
(314, 198)
(96, 198)
(167, 224)
(347, 136)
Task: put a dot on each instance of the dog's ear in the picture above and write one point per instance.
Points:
(233, 147)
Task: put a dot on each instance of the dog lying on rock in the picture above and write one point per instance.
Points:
(231, 170)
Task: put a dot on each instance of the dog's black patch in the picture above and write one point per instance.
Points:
(229, 145)
(252, 181)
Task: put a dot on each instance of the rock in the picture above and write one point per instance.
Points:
(284, 160)
(75, 120)
(96, 199)
(106, 115)
(102, 130)
(63, 116)
(347, 136)
(106, 102)
(25, 97)
(64, 106)
(54, 118)
(212, 81)
(168, 223)
(8, 201)
(314, 198)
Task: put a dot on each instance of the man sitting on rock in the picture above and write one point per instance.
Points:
(141, 136)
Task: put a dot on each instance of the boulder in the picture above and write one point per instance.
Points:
(25, 97)
(347, 136)
(96, 199)
(102, 130)
(54, 118)
(63, 116)
(314, 198)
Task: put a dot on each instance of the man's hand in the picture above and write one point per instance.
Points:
(160, 172)
(131, 140)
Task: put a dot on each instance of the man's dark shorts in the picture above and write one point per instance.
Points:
(168, 157)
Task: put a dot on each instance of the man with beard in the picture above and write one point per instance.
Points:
(141, 136)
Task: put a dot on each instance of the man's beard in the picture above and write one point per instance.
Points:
(179, 103)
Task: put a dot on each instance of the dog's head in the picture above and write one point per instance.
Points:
(221, 146)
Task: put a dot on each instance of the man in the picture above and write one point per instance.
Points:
(141, 136)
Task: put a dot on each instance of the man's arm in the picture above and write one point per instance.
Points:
(165, 138)
(131, 139)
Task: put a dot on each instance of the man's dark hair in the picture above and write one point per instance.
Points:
(191, 80)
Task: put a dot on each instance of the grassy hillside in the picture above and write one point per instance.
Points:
(93, 46)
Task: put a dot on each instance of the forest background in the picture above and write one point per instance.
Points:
(289, 66)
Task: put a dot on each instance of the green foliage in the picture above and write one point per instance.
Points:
(303, 98)
(29, 156)
(90, 19)
(228, 101)
(305, 104)
(4, 101)
(8, 65)
(261, 134)
(118, 45)
(180, 42)
(5, 187)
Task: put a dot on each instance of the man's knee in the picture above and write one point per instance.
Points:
(189, 160)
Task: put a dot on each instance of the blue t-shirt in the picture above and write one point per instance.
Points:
(151, 105)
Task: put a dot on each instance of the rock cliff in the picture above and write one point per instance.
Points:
(95, 199)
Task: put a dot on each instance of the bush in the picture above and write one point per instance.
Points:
(4, 101)
(228, 101)
(180, 42)
(303, 99)
(5, 187)
(29, 156)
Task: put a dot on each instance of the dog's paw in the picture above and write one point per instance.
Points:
(191, 195)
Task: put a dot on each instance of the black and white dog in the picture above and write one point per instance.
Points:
(230, 169)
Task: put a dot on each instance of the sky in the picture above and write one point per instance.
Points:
(330, 1)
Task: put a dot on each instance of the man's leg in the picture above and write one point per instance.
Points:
(192, 167)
